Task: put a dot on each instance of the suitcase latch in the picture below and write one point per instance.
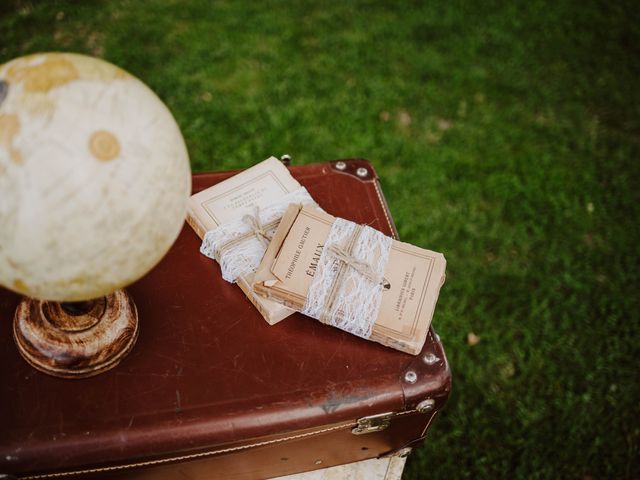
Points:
(372, 423)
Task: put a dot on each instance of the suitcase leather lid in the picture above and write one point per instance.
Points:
(207, 370)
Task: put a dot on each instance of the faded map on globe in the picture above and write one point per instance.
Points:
(94, 177)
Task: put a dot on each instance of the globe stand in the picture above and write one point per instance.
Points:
(76, 339)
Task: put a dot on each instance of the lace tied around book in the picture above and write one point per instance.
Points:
(239, 246)
(347, 287)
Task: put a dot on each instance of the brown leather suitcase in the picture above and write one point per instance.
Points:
(212, 391)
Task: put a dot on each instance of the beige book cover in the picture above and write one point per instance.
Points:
(409, 288)
(262, 184)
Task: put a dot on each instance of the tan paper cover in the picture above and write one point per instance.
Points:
(226, 201)
(407, 307)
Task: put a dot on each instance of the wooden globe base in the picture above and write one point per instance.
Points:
(76, 339)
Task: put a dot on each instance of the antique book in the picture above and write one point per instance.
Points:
(221, 209)
(352, 277)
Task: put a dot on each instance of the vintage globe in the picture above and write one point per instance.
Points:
(94, 177)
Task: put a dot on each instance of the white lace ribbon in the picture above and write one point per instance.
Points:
(346, 290)
(239, 246)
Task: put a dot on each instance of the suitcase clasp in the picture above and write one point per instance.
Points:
(372, 423)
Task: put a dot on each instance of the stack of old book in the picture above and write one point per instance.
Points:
(287, 254)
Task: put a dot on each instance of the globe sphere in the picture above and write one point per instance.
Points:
(94, 177)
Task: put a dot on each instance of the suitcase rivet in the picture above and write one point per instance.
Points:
(410, 377)
(318, 462)
(404, 453)
(286, 159)
(362, 172)
(342, 166)
(426, 405)
(430, 358)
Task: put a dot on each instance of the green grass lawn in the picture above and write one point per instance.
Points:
(507, 135)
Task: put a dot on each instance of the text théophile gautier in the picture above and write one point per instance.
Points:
(313, 264)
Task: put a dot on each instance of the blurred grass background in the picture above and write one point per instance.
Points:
(506, 135)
